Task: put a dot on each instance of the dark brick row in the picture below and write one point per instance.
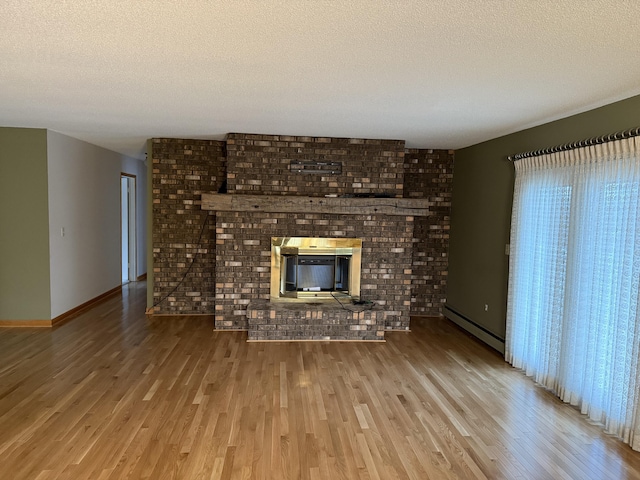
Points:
(429, 174)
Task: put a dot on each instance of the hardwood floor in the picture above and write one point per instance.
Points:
(114, 395)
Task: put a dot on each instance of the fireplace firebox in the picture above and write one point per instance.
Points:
(304, 268)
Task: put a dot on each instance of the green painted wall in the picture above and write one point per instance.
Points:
(481, 209)
(25, 292)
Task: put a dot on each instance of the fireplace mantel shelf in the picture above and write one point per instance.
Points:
(300, 204)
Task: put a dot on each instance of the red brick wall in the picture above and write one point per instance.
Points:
(260, 164)
(429, 174)
(182, 170)
(243, 259)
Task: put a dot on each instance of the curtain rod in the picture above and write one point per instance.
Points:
(632, 132)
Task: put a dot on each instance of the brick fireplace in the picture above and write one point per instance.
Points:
(243, 274)
(358, 189)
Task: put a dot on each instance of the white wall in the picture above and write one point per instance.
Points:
(84, 200)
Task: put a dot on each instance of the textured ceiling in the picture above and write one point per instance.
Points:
(436, 73)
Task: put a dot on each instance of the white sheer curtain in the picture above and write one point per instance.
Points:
(573, 321)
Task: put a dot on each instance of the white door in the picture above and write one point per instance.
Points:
(128, 226)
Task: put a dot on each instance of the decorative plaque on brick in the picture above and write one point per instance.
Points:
(317, 167)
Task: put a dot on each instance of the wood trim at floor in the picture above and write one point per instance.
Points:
(141, 277)
(60, 319)
(25, 323)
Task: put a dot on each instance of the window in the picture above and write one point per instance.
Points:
(573, 322)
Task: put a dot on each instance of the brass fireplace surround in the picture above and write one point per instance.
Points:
(282, 246)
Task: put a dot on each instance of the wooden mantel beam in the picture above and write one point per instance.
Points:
(299, 204)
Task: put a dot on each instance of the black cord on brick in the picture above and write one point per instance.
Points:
(193, 260)
(368, 305)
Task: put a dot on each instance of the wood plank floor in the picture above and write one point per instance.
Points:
(114, 395)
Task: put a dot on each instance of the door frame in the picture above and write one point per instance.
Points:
(131, 226)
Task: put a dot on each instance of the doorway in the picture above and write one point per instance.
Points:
(128, 226)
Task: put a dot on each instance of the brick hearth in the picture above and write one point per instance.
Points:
(314, 321)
